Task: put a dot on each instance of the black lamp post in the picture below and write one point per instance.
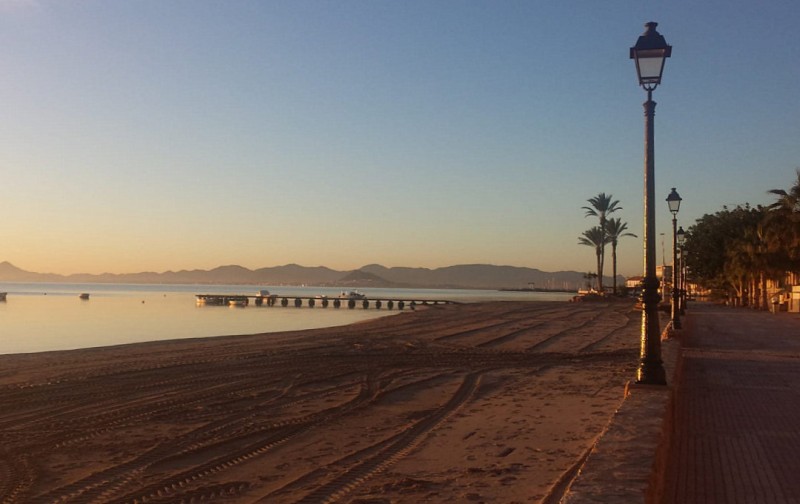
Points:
(682, 271)
(674, 202)
(650, 53)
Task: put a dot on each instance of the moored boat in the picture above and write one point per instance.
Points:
(203, 299)
(237, 301)
(353, 294)
(84, 296)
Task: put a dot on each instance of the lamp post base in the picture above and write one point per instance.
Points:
(651, 373)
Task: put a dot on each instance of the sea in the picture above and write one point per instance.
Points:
(41, 317)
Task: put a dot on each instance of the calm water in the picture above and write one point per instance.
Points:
(39, 317)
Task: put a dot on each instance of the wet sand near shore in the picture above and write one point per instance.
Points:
(485, 402)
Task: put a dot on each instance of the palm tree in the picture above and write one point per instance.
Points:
(601, 206)
(616, 229)
(782, 224)
(595, 237)
(789, 200)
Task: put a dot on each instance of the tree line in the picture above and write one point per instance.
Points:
(744, 254)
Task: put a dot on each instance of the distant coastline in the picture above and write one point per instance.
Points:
(467, 276)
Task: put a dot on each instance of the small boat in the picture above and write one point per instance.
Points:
(353, 294)
(205, 299)
(84, 296)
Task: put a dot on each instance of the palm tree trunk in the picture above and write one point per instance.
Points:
(600, 271)
(739, 288)
(601, 259)
(614, 266)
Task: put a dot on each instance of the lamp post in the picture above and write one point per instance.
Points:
(650, 53)
(682, 271)
(674, 202)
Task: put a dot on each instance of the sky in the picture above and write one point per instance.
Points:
(156, 135)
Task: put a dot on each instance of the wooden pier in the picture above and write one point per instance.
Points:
(314, 301)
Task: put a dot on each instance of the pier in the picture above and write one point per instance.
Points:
(314, 301)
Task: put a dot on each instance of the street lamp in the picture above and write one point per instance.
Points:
(650, 53)
(681, 240)
(674, 202)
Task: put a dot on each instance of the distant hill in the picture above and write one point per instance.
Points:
(480, 276)
(471, 276)
(362, 278)
(10, 273)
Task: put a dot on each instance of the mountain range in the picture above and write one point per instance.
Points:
(469, 276)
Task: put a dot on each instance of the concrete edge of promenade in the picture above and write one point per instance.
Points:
(627, 463)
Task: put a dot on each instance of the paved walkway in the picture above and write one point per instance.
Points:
(737, 410)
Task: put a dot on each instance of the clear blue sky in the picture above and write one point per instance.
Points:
(157, 135)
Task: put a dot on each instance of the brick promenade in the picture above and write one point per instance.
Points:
(737, 410)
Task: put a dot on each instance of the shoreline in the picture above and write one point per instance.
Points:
(38, 322)
(492, 402)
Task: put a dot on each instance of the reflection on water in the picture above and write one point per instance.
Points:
(41, 317)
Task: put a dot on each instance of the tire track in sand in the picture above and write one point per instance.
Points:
(390, 452)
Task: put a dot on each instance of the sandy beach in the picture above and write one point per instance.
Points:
(486, 402)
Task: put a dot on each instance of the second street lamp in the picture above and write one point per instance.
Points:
(650, 53)
(674, 202)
